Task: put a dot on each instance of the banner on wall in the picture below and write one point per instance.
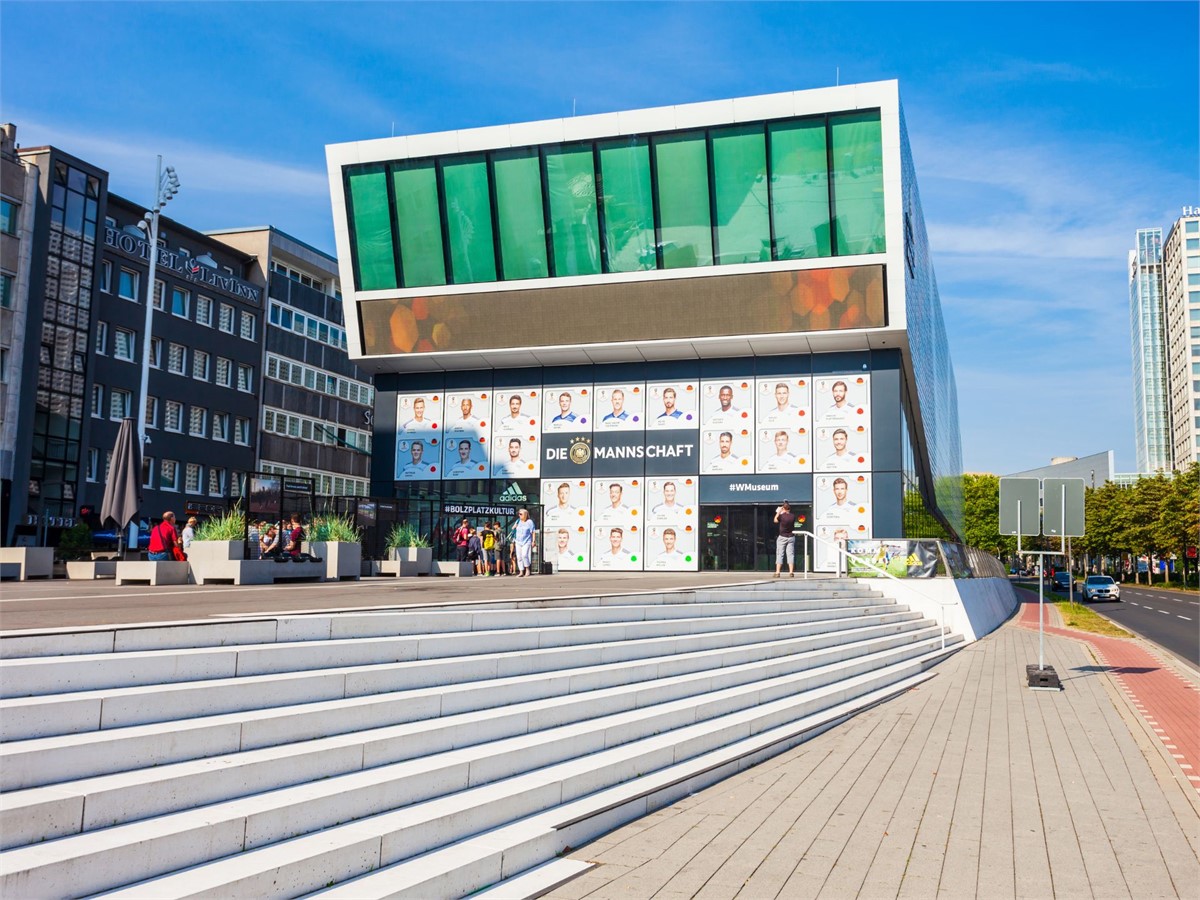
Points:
(901, 559)
(419, 436)
(672, 405)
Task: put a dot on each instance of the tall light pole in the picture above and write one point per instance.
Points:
(166, 185)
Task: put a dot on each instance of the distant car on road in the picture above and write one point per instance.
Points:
(1101, 587)
(1061, 582)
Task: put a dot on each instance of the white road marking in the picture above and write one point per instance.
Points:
(1164, 612)
(1185, 618)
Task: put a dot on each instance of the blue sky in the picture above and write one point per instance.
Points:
(1044, 135)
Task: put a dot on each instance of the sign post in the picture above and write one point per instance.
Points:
(1025, 504)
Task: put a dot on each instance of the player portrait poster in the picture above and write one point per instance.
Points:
(467, 415)
(783, 417)
(565, 503)
(672, 404)
(517, 411)
(727, 405)
(515, 456)
(616, 547)
(672, 500)
(670, 549)
(565, 549)
(841, 503)
(842, 448)
(842, 400)
(619, 407)
(567, 409)
(617, 501)
(419, 436)
(727, 451)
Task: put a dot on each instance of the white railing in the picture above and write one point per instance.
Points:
(843, 567)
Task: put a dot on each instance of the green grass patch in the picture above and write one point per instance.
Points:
(1080, 616)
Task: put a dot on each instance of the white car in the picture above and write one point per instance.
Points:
(1101, 587)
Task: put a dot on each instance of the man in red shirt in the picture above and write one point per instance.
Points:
(163, 539)
(462, 535)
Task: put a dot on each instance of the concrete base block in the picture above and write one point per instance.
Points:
(165, 572)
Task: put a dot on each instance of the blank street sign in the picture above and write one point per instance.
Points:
(1025, 490)
(1063, 496)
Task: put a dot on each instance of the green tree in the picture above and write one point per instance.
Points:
(981, 515)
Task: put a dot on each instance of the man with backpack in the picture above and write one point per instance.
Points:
(488, 539)
(475, 552)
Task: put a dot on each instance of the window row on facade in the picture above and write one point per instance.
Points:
(784, 189)
(276, 421)
(177, 417)
(172, 475)
(228, 319)
(307, 326)
(223, 372)
(289, 371)
(325, 483)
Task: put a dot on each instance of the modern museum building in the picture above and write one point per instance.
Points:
(651, 327)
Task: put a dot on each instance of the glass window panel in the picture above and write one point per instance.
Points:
(740, 180)
(419, 223)
(681, 169)
(628, 205)
(372, 229)
(469, 216)
(571, 183)
(800, 189)
(519, 213)
(857, 144)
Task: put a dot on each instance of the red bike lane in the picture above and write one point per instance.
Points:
(1168, 703)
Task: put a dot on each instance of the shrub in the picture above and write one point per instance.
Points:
(230, 526)
(75, 543)
(405, 535)
(334, 528)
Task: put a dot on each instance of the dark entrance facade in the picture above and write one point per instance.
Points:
(741, 537)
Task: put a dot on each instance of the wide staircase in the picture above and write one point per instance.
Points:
(429, 752)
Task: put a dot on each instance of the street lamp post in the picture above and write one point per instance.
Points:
(166, 185)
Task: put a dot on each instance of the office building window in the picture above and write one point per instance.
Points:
(198, 421)
(101, 338)
(216, 482)
(220, 426)
(225, 318)
(177, 359)
(204, 308)
(200, 365)
(685, 221)
(93, 464)
(173, 416)
(191, 482)
(8, 216)
(245, 375)
(120, 404)
(247, 330)
(123, 345)
(98, 401)
(181, 302)
(148, 471)
(241, 431)
(156, 353)
(106, 277)
(160, 291)
(151, 412)
(168, 475)
(224, 372)
(127, 286)
(6, 290)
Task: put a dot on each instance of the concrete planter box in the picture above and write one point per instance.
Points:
(23, 563)
(87, 571)
(214, 551)
(419, 560)
(343, 559)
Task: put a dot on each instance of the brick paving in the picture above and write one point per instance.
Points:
(970, 785)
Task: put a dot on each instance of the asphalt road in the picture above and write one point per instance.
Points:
(1170, 619)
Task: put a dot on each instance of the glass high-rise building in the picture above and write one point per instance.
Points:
(653, 326)
(1151, 418)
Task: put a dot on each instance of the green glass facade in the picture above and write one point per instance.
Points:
(784, 189)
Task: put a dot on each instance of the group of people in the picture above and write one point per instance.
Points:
(270, 541)
(168, 542)
(493, 552)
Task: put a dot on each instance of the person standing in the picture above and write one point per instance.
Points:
(475, 553)
(462, 534)
(524, 534)
(164, 539)
(785, 543)
(189, 532)
(499, 548)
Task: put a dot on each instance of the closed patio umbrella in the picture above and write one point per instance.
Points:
(123, 491)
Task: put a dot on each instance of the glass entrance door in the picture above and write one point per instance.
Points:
(742, 538)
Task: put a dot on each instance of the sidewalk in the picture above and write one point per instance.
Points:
(969, 786)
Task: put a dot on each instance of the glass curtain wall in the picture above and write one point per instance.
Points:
(788, 189)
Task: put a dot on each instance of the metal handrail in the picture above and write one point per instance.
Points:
(845, 557)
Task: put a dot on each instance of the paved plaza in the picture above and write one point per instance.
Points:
(969, 786)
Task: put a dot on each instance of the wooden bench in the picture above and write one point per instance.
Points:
(256, 571)
(167, 571)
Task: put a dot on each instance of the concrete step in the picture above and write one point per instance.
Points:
(26, 677)
(49, 760)
(102, 801)
(47, 714)
(554, 765)
(424, 850)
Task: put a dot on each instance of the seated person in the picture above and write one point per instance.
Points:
(269, 542)
(295, 538)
